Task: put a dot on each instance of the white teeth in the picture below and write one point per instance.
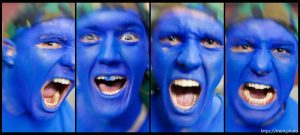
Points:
(258, 86)
(110, 78)
(51, 102)
(100, 78)
(62, 81)
(186, 83)
(111, 93)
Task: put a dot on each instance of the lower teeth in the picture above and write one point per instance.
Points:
(51, 102)
(256, 101)
(111, 93)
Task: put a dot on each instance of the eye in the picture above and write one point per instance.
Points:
(49, 45)
(172, 40)
(281, 50)
(242, 48)
(209, 43)
(129, 37)
(90, 38)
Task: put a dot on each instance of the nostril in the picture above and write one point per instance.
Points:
(260, 72)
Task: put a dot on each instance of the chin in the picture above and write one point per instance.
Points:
(112, 105)
(257, 115)
(182, 121)
(39, 113)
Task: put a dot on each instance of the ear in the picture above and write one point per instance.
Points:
(8, 52)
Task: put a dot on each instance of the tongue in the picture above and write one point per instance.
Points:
(49, 92)
(259, 94)
(110, 86)
(185, 99)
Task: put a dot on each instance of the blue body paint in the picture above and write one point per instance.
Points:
(260, 51)
(42, 52)
(111, 44)
(187, 44)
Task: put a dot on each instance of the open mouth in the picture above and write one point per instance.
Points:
(257, 94)
(54, 91)
(184, 93)
(110, 85)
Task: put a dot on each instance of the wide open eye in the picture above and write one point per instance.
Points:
(210, 43)
(242, 48)
(172, 40)
(129, 37)
(90, 38)
(49, 45)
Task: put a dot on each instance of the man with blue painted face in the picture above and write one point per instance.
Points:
(261, 63)
(38, 70)
(112, 57)
(187, 61)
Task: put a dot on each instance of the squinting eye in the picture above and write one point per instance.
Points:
(49, 45)
(209, 43)
(90, 38)
(242, 48)
(280, 50)
(173, 40)
(129, 37)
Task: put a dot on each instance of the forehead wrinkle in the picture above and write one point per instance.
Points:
(191, 20)
(115, 24)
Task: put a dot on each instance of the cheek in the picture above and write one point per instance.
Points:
(134, 57)
(86, 57)
(163, 58)
(286, 75)
(213, 63)
(236, 64)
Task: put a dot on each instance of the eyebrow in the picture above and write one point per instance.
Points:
(285, 43)
(53, 36)
(212, 36)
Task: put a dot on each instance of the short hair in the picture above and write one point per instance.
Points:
(32, 13)
(283, 14)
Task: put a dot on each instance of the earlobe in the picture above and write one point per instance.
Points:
(8, 52)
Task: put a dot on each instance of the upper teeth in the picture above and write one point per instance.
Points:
(62, 81)
(110, 78)
(186, 83)
(258, 86)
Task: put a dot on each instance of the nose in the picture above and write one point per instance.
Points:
(68, 59)
(261, 64)
(109, 52)
(189, 57)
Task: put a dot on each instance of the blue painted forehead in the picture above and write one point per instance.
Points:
(139, 9)
(213, 10)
